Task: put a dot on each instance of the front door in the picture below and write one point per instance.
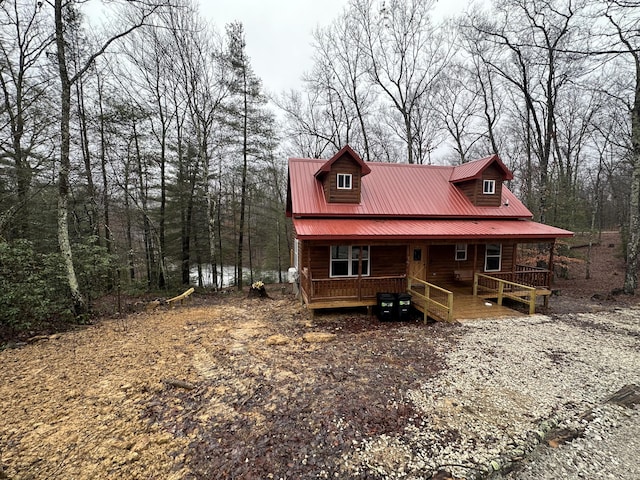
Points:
(418, 261)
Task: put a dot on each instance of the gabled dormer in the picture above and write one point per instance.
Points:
(341, 176)
(481, 180)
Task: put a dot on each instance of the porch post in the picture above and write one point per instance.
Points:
(475, 271)
(360, 271)
(310, 293)
(553, 247)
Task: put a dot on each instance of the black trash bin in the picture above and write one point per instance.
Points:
(402, 306)
(385, 306)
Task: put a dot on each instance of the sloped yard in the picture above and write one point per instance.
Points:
(241, 388)
(254, 389)
(230, 387)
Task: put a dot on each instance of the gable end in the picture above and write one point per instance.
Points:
(344, 173)
(478, 193)
(341, 176)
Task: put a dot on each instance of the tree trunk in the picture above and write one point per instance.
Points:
(219, 224)
(142, 191)
(409, 133)
(103, 170)
(86, 156)
(243, 188)
(79, 304)
(22, 168)
(186, 242)
(633, 247)
(249, 243)
(211, 226)
(162, 281)
(129, 227)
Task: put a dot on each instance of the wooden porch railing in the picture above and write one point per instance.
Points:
(354, 289)
(431, 299)
(527, 275)
(505, 289)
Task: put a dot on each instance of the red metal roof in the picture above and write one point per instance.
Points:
(396, 190)
(373, 229)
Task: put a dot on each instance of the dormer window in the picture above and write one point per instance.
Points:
(344, 181)
(341, 176)
(489, 187)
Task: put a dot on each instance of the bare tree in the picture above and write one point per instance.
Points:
(625, 22)
(481, 80)
(406, 53)
(533, 38)
(573, 126)
(201, 75)
(24, 38)
(308, 130)
(343, 65)
(65, 12)
(458, 107)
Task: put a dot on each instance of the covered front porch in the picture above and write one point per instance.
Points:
(484, 296)
(481, 297)
(347, 292)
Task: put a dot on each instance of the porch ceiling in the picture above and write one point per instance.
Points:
(401, 229)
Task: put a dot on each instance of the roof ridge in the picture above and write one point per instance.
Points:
(386, 164)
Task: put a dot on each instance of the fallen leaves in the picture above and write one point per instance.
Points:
(236, 387)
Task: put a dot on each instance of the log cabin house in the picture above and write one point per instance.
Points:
(445, 234)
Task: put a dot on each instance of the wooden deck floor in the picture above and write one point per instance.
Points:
(468, 307)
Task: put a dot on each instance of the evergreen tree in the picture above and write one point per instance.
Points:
(249, 125)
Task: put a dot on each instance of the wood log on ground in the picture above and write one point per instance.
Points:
(180, 298)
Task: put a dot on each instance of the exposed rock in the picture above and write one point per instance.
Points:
(278, 339)
(318, 337)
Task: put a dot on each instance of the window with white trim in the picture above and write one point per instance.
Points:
(344, 181)
(345, 260)
(461, 251)
(489, 187)
(493, 257)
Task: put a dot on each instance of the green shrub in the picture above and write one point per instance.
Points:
(32, 286)
(94, 268)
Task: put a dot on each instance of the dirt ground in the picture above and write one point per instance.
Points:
(230, 387)
(576, 293)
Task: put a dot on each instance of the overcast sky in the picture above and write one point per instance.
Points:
(279, 32)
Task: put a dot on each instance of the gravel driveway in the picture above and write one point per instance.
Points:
(526, 398)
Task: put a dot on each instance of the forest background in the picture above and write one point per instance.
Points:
(144, 155)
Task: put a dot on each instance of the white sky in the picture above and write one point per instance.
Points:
(279, 32)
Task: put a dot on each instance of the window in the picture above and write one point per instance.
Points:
(345, 260)
(344, 181)
(461, 251)
(489, 187)
(493, 257)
